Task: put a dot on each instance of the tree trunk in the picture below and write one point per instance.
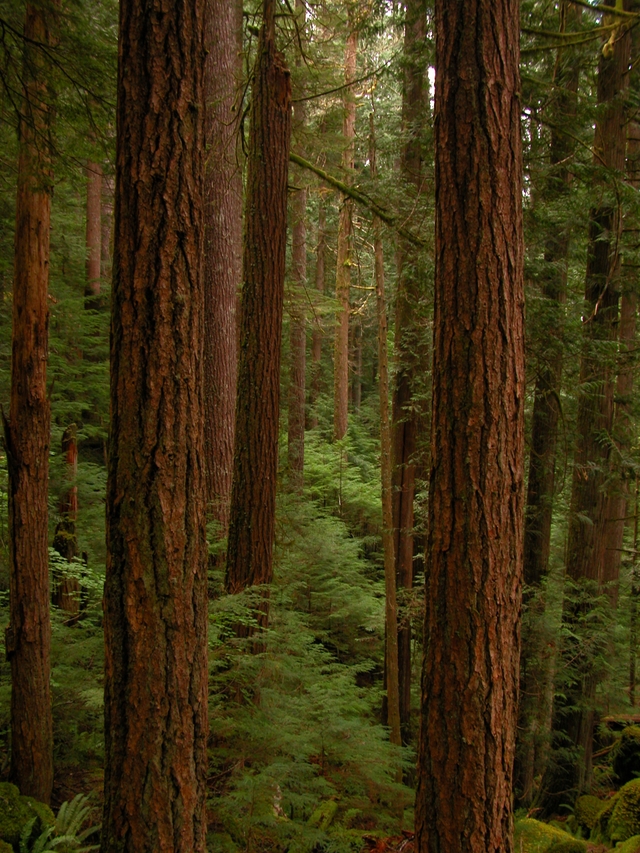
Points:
(223, 247)
(106, 239)
(28, 637)
(345, 236)
(411, 347)
(474, 553)
(317, 335)
(297, 329)
(587, 519)
(391, 607)
(253, 497)
(66, 589)
(93, 235)
(155, 609)
(538, 655)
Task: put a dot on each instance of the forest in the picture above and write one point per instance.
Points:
(320, 458)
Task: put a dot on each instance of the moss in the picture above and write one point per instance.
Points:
(600, 831)
(533, 836)
(626, 755)
(5, 847)
(631, 845)
(625, 815)
(16, 811)
(586, 811)
(324, 814)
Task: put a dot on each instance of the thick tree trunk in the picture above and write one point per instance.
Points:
(343, 262)
(411, 347)
(391, 607)
(252, 525)
(223, 247)
(474, 553)
(587, 520)
(28, 637)
(156, 581)
(297, 328)
(317, 335)
(66, 589)
(93, 235)
(538, 655)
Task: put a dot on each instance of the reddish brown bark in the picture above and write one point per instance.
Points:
(223, 242)
(474, 553)
(155, 610)
(587, 520)
(66, 590)
(106, 238)
(251, 530)
(317, 335)
(411, 348)
(297, 328)
(343, 263)
(93, 234)
(28, 637)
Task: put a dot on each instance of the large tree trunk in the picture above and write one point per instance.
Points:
(223, 247)
(156, 581)
(538, 655)
(345, 236)
(297, 328)
(474, 553)
(253, 496)
(28, 637)
(587, 520)
(411, 347)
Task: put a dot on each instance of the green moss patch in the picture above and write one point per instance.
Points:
(16, 811)
(631, 845)
(533, 836)
(586, 811)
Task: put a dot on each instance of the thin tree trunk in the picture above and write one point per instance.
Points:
(297, 329)
(252, 525)
(411, 346)
(93, 235)
(474, 553)
(156, 579)
(587, 520)
(28, 637)
(537, 655)
(223, 248)
(391, 607)
(106, 238)
(66, 590)
(317, 335)
(345, 236)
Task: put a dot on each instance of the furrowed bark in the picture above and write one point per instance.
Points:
(155, 609)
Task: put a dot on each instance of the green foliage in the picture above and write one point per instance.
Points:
(626, 755)
(17, 812)
(586, 811)
(66, 834)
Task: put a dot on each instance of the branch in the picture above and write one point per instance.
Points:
(360, 197)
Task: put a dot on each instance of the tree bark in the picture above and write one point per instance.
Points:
(66, 589)
(297, 328)
(28, 637)
(106, 238)
(223, 247)
(474, 553)
(251, 531)
(345, 236)
(155, 610)
(411, 348)
(391, 607)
